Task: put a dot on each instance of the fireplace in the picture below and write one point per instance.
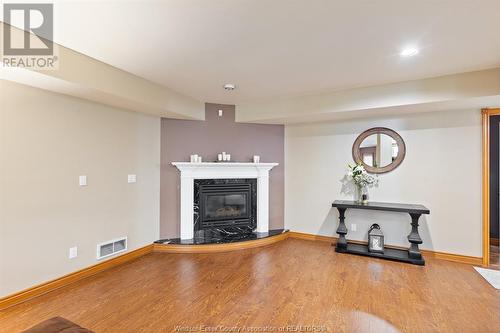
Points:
(225, 206)
(210, 173)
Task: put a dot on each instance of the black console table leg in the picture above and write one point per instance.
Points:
(414, 238)
(341, 231)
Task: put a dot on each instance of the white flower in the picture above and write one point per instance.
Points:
(360, 177)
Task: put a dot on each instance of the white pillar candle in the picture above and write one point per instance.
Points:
(199, 159)
(228, 156)
(256, 159)
(224, 156)
(219, 157)
(195, 158)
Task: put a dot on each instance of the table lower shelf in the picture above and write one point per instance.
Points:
(389, 253)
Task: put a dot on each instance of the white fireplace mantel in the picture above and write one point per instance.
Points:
(191, 171)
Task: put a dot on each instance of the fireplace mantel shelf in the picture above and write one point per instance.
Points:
(224, 170)
(190, 165)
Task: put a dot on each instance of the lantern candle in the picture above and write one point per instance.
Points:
(375, 239)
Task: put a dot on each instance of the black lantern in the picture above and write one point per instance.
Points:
(375, 239)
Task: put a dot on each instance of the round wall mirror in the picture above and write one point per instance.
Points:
(379, 149)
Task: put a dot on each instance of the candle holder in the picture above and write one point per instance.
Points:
(223, 157)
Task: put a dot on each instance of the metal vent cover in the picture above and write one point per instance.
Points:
(111, 247)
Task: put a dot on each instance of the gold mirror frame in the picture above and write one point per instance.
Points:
(356, 153)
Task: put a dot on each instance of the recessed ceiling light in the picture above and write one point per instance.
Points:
(409, 52)
(229, 86)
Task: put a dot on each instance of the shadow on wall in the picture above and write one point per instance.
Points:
(330, 223)
(349, 188)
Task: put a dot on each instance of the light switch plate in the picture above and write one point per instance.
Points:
(73, 252)
(132, 178)
(354, 227)
(82, 180)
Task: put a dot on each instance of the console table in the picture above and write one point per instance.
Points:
(412, 255)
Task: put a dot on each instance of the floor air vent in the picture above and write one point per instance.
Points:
(111, 247)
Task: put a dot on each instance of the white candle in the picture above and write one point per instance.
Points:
(224, 156)
(228, 156)
(256, 159)
(219, 157)
(199, 159)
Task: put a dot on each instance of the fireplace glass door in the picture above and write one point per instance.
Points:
(222, 206)
(225, 205)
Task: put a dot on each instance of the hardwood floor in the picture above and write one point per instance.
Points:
(294, 282)
(494, 257)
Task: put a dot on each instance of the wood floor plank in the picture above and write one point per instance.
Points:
(294, 282)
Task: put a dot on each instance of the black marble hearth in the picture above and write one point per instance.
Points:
(217, 237)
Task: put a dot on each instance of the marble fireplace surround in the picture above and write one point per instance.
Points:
(210, 170)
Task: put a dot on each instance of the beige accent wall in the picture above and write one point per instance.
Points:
(442, 170)
(46, 141)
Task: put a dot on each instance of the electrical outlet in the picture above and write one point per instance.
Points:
(73, 252)
(353, 227)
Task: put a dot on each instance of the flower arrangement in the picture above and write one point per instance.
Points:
(362, 180)
(360, 177)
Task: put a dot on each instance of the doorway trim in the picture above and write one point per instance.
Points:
(486, 114)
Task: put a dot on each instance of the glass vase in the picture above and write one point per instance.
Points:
(362, 194)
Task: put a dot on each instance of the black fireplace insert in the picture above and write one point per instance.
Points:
(225, 206)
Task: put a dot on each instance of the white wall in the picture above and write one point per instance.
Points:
(46, 141)
(442, 170)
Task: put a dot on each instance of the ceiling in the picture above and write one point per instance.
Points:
(281, 47)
